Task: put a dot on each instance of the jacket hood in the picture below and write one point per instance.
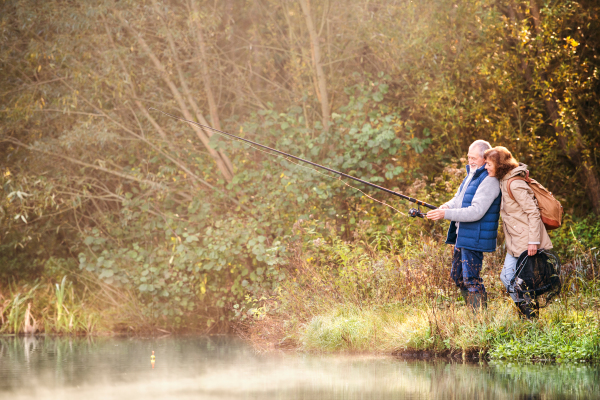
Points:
(520, 170)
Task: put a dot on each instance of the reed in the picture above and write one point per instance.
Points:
(67, 308)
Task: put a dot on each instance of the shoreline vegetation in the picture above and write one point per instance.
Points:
(79, 304)
(424, 315)
(353, 296)
(454, 332)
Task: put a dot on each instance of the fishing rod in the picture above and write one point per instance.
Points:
(412, 212)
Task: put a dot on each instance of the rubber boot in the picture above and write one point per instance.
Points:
(465, 295)
(477, 301)
(527, 311)
(484, 297)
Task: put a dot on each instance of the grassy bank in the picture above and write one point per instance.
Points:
(561, 334)
(496, 332)
(365, 295)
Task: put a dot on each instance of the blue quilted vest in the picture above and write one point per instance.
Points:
(479, 235)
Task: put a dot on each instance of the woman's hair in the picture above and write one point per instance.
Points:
(502, 159)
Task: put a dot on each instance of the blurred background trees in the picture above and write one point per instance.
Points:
(390, 91)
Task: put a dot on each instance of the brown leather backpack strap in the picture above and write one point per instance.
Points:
(516, 178)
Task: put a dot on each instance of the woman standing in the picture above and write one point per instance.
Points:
(521, 219)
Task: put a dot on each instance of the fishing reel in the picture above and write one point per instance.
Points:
(416, 212)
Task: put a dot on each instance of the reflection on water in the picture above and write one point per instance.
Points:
(225, 368)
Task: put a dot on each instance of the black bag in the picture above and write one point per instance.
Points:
(537, 277)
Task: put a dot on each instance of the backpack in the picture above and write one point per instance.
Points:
(551, 210)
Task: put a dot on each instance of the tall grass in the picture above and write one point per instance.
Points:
(365, 272)
(15, 309)
(62, 307)
(370, 294)
(59, 301)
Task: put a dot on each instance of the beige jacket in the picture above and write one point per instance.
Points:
(521, 220)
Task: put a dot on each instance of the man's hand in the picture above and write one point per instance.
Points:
(435, 215)
(443, 207)
(531, 248)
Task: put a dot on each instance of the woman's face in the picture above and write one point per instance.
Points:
(490, 167)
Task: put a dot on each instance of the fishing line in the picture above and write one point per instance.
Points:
(345, 183)
(320, 173)
(412, 212)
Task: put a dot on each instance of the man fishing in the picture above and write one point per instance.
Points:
(474, 211)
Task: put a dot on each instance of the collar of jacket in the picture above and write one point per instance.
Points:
(478, 171)
(520, 170)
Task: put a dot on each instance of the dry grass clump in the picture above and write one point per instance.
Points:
(364, 273)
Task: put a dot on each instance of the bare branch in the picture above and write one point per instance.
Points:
(202, 135)
(316, 53)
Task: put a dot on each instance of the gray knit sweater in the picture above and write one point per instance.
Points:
(485, 195)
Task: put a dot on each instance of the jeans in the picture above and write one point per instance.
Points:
(466, 266)
(508, 272)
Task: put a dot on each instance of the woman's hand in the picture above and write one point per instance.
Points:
(435, 215)
(532, 249)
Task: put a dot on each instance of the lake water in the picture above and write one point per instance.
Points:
(221, 367)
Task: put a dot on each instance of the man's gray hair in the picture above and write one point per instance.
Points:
(481, 145)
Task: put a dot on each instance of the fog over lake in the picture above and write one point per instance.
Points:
(221, 367)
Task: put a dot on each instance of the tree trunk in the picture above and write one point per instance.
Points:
(535, 13)
(212, 104)
(316, 53)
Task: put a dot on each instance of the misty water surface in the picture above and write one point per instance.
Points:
(221, 367)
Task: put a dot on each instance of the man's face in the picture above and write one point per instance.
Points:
(475, 159)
